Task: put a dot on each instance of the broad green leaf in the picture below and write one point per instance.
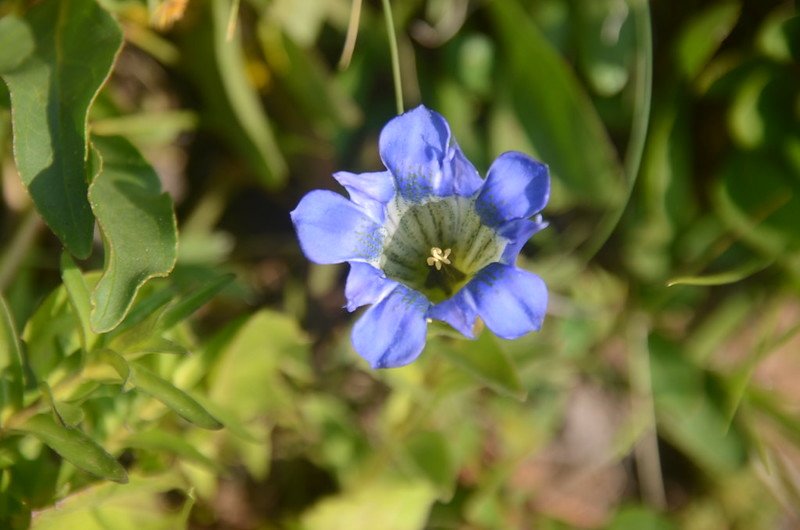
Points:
(10, 362)
(78, 293)
(75, 446)
(51, 92)
(138, 226)
(173, 397)
(486, 361)
(703, 34)
(194, 301)
(233, 108)
(555, 112)
(384, 503)
(16, 42)
(779, 36)
(138, 505)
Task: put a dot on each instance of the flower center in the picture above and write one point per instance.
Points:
(436, 247)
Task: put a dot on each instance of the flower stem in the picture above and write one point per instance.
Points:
(398, 85)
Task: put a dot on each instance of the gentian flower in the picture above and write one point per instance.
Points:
(430, 239)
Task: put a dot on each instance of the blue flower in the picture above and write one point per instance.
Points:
(430, 239)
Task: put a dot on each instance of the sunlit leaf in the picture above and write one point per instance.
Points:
(138, 505)
(138, 226)
(75, 446)
(51, 92)
(173, 397)
(384, 504)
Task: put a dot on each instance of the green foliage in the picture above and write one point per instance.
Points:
(183, 367)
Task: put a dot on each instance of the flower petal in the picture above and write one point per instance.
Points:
(332, 229)
(392, 332)
(371, 191)
(366, 285)
(417, 148)
(458, 311)
(511, 301)
(518, 232)
(517, 186)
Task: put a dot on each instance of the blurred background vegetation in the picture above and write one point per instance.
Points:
(662, 391)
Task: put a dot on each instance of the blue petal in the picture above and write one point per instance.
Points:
(511, 301)
(458, 311)
(418, 150)
(332, 229)
(366, 285)
(392, 332)
(518, 232)
(517, 186)
(371, 191)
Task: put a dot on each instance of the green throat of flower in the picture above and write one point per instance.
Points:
(436, 247)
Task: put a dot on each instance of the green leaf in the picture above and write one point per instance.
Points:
(233, 107)
(78, 293)
(173, 397)
(10, 361)
(605, 44)
(161, 441)
(430, 453)
(558, 115)
(51, 333)
(51, 92)
(138, 505)
(486, 361)
(384, 503)
(138, 226)
(67, 414)
(703, 34)
(723, 278)
(191, 303)
(16, 42)
(75, 446)
(690, 413)
(247, 378)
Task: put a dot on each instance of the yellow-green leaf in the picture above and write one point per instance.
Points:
(75, 446)
(173, 397)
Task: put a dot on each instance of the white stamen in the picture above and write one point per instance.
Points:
(437, 258)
